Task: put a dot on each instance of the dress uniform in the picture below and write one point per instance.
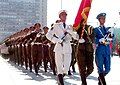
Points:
(28, 47)
(73, 59)
(24, 51)
(102, 55)
(52, 57)
(61, 35)
(85, 51)
(46, 53)
(37, 51)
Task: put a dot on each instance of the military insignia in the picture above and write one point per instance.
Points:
(51, 28)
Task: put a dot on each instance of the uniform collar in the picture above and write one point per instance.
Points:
(101, 26)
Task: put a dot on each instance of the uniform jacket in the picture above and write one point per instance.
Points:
(88, 36)
(57, 33)
(101, 48)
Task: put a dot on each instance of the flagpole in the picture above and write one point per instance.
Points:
(61, 4)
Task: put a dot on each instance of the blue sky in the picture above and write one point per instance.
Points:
(110, 7)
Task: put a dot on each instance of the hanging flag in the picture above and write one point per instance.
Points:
(83, 13)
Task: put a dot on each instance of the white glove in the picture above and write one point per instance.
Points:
(109, 39)
(111, 30)
(81, 40)
(102, 40)
(38, 35)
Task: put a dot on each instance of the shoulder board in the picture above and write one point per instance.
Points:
(51, 28)
(54, 26)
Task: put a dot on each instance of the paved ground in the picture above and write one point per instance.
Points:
(11, 74)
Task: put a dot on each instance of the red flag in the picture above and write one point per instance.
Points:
(83, 12)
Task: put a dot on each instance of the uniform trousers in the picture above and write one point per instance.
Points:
(62, 62)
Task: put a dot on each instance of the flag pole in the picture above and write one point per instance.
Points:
(61, 4)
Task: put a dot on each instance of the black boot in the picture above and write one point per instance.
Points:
(83, 79)
(99, 83)
(60, 79)
(69, 72)
(73, 68)
(102, 79)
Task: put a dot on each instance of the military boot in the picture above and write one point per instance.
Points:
(69, 72)
(101, 79)
(99, 83)
(60, 79)
(83, 79)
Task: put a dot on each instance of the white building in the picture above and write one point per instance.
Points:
(18, 14)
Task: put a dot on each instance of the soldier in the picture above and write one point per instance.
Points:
(52, 54)
(85, 51)
(37, 27)
(61, 35)
(28, 46)
(46, 45)
(37, 52)
(73, 59)
(36, 47)
(102, 55)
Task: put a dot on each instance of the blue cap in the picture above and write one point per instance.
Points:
(101, 14)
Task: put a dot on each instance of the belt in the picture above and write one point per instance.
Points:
(26, 44)
(37, 43)
(22, 45)
(18, 45)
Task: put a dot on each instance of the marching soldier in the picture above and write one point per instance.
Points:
(45, 43)
(37, 53)
(52, 55)
(28, 46)
(36, 47)
(73, 59)
(61, 35)
(103, 36)
(21, 50)
(85, 51)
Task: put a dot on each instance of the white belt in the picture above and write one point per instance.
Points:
(18, 45)
(26, 44)
(22, 45)
(36, 43)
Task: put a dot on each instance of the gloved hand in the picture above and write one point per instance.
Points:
(81, 40)
(111, 30)
(102, 40)
(109, 39)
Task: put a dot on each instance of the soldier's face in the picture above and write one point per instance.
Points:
(63, 16)
(45, 30)
(102, 20)
(37, 26)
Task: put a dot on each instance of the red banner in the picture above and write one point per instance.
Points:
(83, 12)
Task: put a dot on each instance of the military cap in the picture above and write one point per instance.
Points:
(45, 27)
(101, 14)
(62, 11)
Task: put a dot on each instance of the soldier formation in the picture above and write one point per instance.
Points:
(62, 47)
(30, 48)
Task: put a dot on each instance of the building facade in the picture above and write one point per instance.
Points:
(18, 14)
